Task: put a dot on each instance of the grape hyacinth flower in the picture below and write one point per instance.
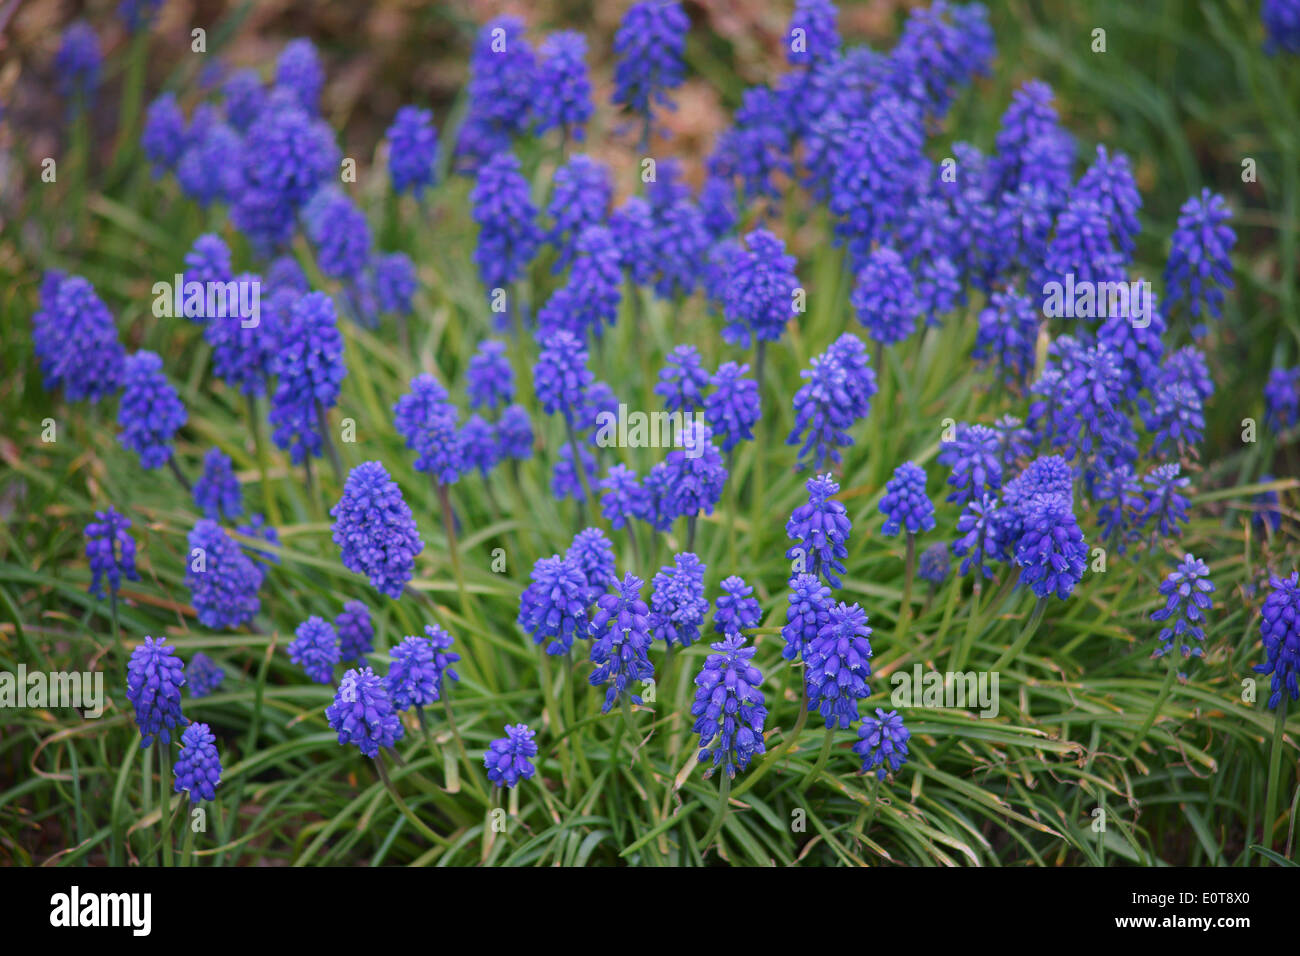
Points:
(489, 380)
(1031, 145)
(502, 78)
(203, 676)
(579, 199)
(1187, 591)
(648, 50)
(162, 137)
(1199, 268)
(1164, 503)
(561, 377)
(412, 150)
(78, 62)
(808, 613)
(813, 33)
(198, 767)
(1280, 634)
(426, 419)
(554, 606)
(693, 477)
(1109, 182)
(375, 529)
(1008, 331)
(1282, 23)
(593, 553)
(1050, 551)
(679, 246)
(310, 366)
(729, 707)
(677, 602)
(75, 340)
(315, 648)
(905, 504)
(243, 356)
(934, 563)
(223, 581)
(507, 758)
(514, 434)
(884, 297)
(683, 380)
(207, 261)
(732, 408)
(565, 480)
(736, 608)
(1282, 398)
(415, 675)
(395, 282)
(621, 639)
(110, 549)
(339, 232)
(257, 528)
(154, 676)
(837, 663)
(478, 445)
(299, 70)
(244, 97)
(508, 233)
(151, 412)
(975, 457)
(621, 496)
(216, 493)
(759, 296)
(980, 537)
(363, 714)
(356, 632)
(288, 154)
(1121, 492)
(562, 98)
(1267, 513)
(1082, 247)
(821, 530)
(882, 743)
(595, 284)
(836, 393)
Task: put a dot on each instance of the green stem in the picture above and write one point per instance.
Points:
(331, 449)
(1274, 771)
(581, 471)
(164, 803)
(180, 475)
(263, 462)
(405, 810)
(720, 816)
(1023, 640)
(1155, 709)
(822, 757)
(905, 611)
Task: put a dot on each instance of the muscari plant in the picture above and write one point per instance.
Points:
(1082, 458)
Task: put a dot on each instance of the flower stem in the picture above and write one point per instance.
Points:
(1274, 771)
(1022, 641)
(580, 470)
(822, 757)
(263, 461)
(330, 449)
(720, 817)
(164, 803)
(909, 567)
(180, 475)
(1155, 709)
